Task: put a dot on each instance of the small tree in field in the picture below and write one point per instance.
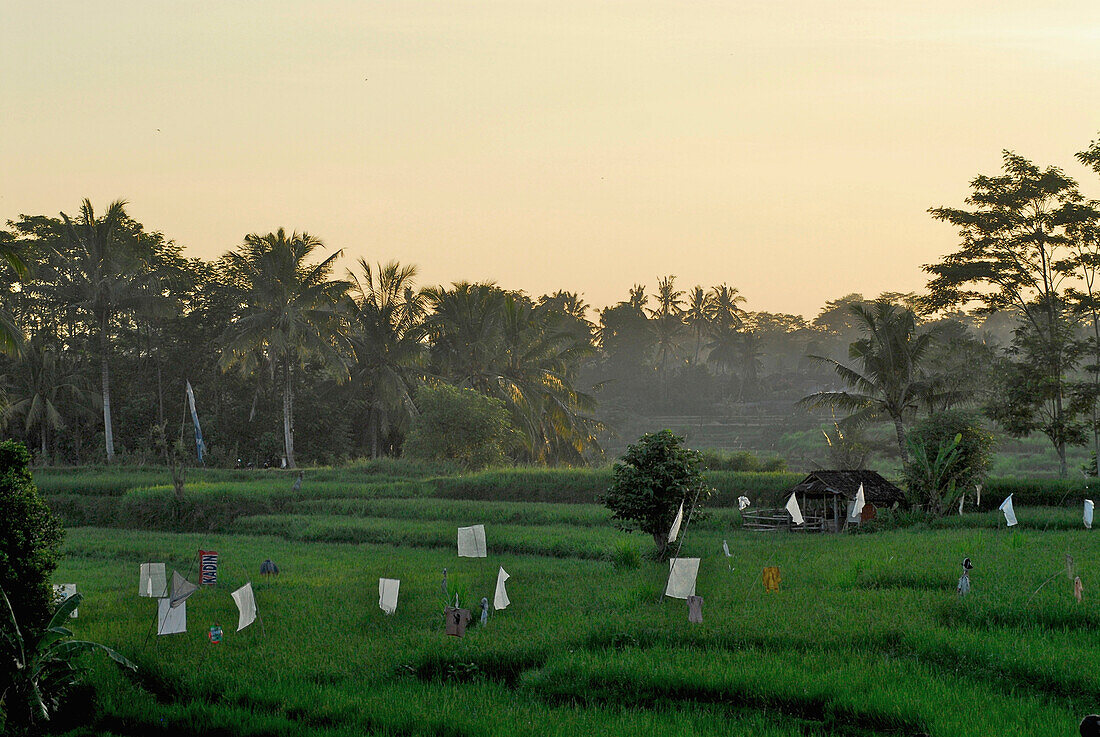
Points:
(460, 426)
(650, 481)
(30, 538)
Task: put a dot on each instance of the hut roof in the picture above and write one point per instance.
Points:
(876, 489)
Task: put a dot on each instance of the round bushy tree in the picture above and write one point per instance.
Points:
(460, 426)
(650, 481)
(30, 539)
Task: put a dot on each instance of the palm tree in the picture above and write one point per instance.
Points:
(103, 276)
(697, 316)
(386, 316)
(724, 308)
(289, 313)
(668, 321)
(502, 345)
(40, 388)
(11, 336)
(888, 382)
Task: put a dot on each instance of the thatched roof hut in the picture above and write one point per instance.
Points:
(827, 484)
(820, 493)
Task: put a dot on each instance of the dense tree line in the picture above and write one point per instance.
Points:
(106, 321)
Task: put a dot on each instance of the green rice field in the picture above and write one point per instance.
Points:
(865, 637)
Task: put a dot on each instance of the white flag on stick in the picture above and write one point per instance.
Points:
(978, 500)
(682, 573)
(387, 594)
(743, 502)
(171, 621)
(246, 603)
(855, 511)
(1006, 507)
(795, 512)
(1088, 513)
(471, 542)
(675, 531)
(500, 598)
(152, 581)
(962, 498)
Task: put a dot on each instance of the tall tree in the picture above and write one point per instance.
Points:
(502, 345)
(386, 314)
(887, 383)
(1015, 255)
(104, 274)
(289, 315)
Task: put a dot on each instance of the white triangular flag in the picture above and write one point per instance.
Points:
(500, 598)
(962, 498)
(855, 509)
(675, 531)
(796, 513)
(978, 500)
(171, 621)
(387, 594)
(1088, 513)
(1006, 507)
(246, 603)
(726, 548)
(152, 581)
(181, 589)
(471, 542)
(743, 502)
(682, 573)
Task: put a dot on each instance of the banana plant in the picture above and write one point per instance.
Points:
(40, 670)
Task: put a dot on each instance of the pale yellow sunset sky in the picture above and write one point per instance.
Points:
(788, 148)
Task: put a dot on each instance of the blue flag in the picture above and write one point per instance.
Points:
(195, 418)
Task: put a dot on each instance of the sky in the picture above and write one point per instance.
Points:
(788, 148)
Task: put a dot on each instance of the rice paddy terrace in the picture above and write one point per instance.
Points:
(865, 637)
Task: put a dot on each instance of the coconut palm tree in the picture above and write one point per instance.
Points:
(502, 345)
(887, 383)
(386, 327)
(103, 275)
(696, 317)
(40, 388)
(289, 313)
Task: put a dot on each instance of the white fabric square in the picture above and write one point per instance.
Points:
(682, 573)
(63, 591)
(471, 542)
(387, 594)
(152, 581)
(1006, 507)
(500, 598)
(246, 603)
(1088, 513)
(171, 621)
(743, 502)
(674, 531)
(855, 509)
(795, 512)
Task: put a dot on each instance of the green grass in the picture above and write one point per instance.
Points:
(866, 637)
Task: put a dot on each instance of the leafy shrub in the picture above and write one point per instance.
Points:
(30, 538)
(460, 426)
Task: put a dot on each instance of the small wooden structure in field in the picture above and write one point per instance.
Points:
(824, 497)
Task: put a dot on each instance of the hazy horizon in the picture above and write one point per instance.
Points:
(791, 150)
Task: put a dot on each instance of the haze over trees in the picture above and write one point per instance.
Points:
(104, 321)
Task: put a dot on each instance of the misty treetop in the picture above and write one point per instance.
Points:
(298, 356)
